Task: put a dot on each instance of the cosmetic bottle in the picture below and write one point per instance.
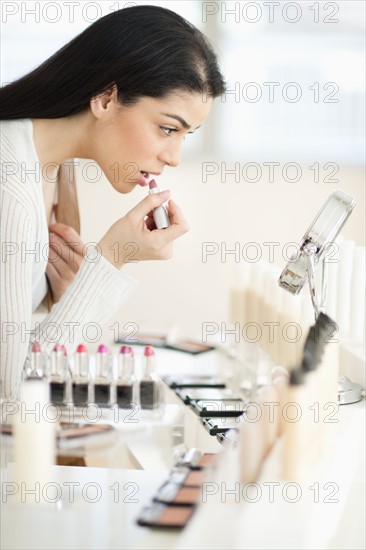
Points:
(327, 381)
(81, 377)
(251, 444)
(58, 375)
(280, 380)
(160, 214)
(102, 382)
(268, 401)
(125, 378)
(358, 285)
(290, 332)
(346, 252)
(34, 434)
(150, 386)
(297, 434)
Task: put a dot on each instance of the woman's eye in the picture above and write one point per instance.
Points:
(167, 131)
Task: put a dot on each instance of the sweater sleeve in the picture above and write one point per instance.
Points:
(96, 292)
(16, 292)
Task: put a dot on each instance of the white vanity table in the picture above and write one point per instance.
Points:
(107, 500)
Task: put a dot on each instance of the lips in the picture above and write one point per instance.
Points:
(143, 177)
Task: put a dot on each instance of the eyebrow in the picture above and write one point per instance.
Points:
(181, 120)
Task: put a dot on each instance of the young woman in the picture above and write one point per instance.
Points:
(124, 93)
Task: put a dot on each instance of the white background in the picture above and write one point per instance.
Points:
(317, 46)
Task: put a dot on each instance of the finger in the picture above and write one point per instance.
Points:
(150, 224)
(150, 202)
(52, 274)
(62, 270)
(178, 226)
(59, 250)
(69, 235)
(62, 249)
(178, 223)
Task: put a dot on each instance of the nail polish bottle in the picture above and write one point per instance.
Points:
(80, 382)
(150, 390)
(58, 374)
(102, 382)
(125, 378)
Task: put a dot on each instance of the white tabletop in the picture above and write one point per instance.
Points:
(120, 494)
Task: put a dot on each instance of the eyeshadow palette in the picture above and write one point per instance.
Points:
(178, 495)
(196, 460)
(194, 382)
(185, 476)
(217, 425)
(222, 437)
(189, 395)
(164, 516)
(221, 408)
(174, 503)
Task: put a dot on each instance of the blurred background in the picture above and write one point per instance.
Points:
(289, 130)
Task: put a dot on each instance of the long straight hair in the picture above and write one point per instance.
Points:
(143, 50)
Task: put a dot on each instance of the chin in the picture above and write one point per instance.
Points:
(123, 187)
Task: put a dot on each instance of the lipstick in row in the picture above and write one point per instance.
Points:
(106, 388)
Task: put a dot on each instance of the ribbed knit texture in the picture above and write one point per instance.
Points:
(97, 291)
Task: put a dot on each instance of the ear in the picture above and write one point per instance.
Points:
(103, 103)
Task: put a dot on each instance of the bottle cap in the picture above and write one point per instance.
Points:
(81, 349)
(63, 349)
(36, 347)
(60, 347)
(149, 351)
(102, 349)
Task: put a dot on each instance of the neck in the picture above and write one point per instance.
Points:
(60, 139)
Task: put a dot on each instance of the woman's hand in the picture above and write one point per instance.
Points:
(135, 237)
(65, 258)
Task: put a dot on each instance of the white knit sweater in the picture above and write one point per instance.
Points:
(96, 292)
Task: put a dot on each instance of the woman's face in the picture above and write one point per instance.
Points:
(131, 143)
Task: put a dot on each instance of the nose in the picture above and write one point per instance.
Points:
(171, 155)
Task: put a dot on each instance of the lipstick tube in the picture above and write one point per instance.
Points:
(160, 214)
(125, 378)
(81, 378)
(150, 386)
(38, 362)
(58, 374)
(102, 383)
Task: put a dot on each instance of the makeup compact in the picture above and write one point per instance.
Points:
(194, 382)
(165, 516)
(188, 395)
(222, 437)
(174, 503)
(196, 460)
(215, 425)
(185, 476)
(178, 495)
(222, 408)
